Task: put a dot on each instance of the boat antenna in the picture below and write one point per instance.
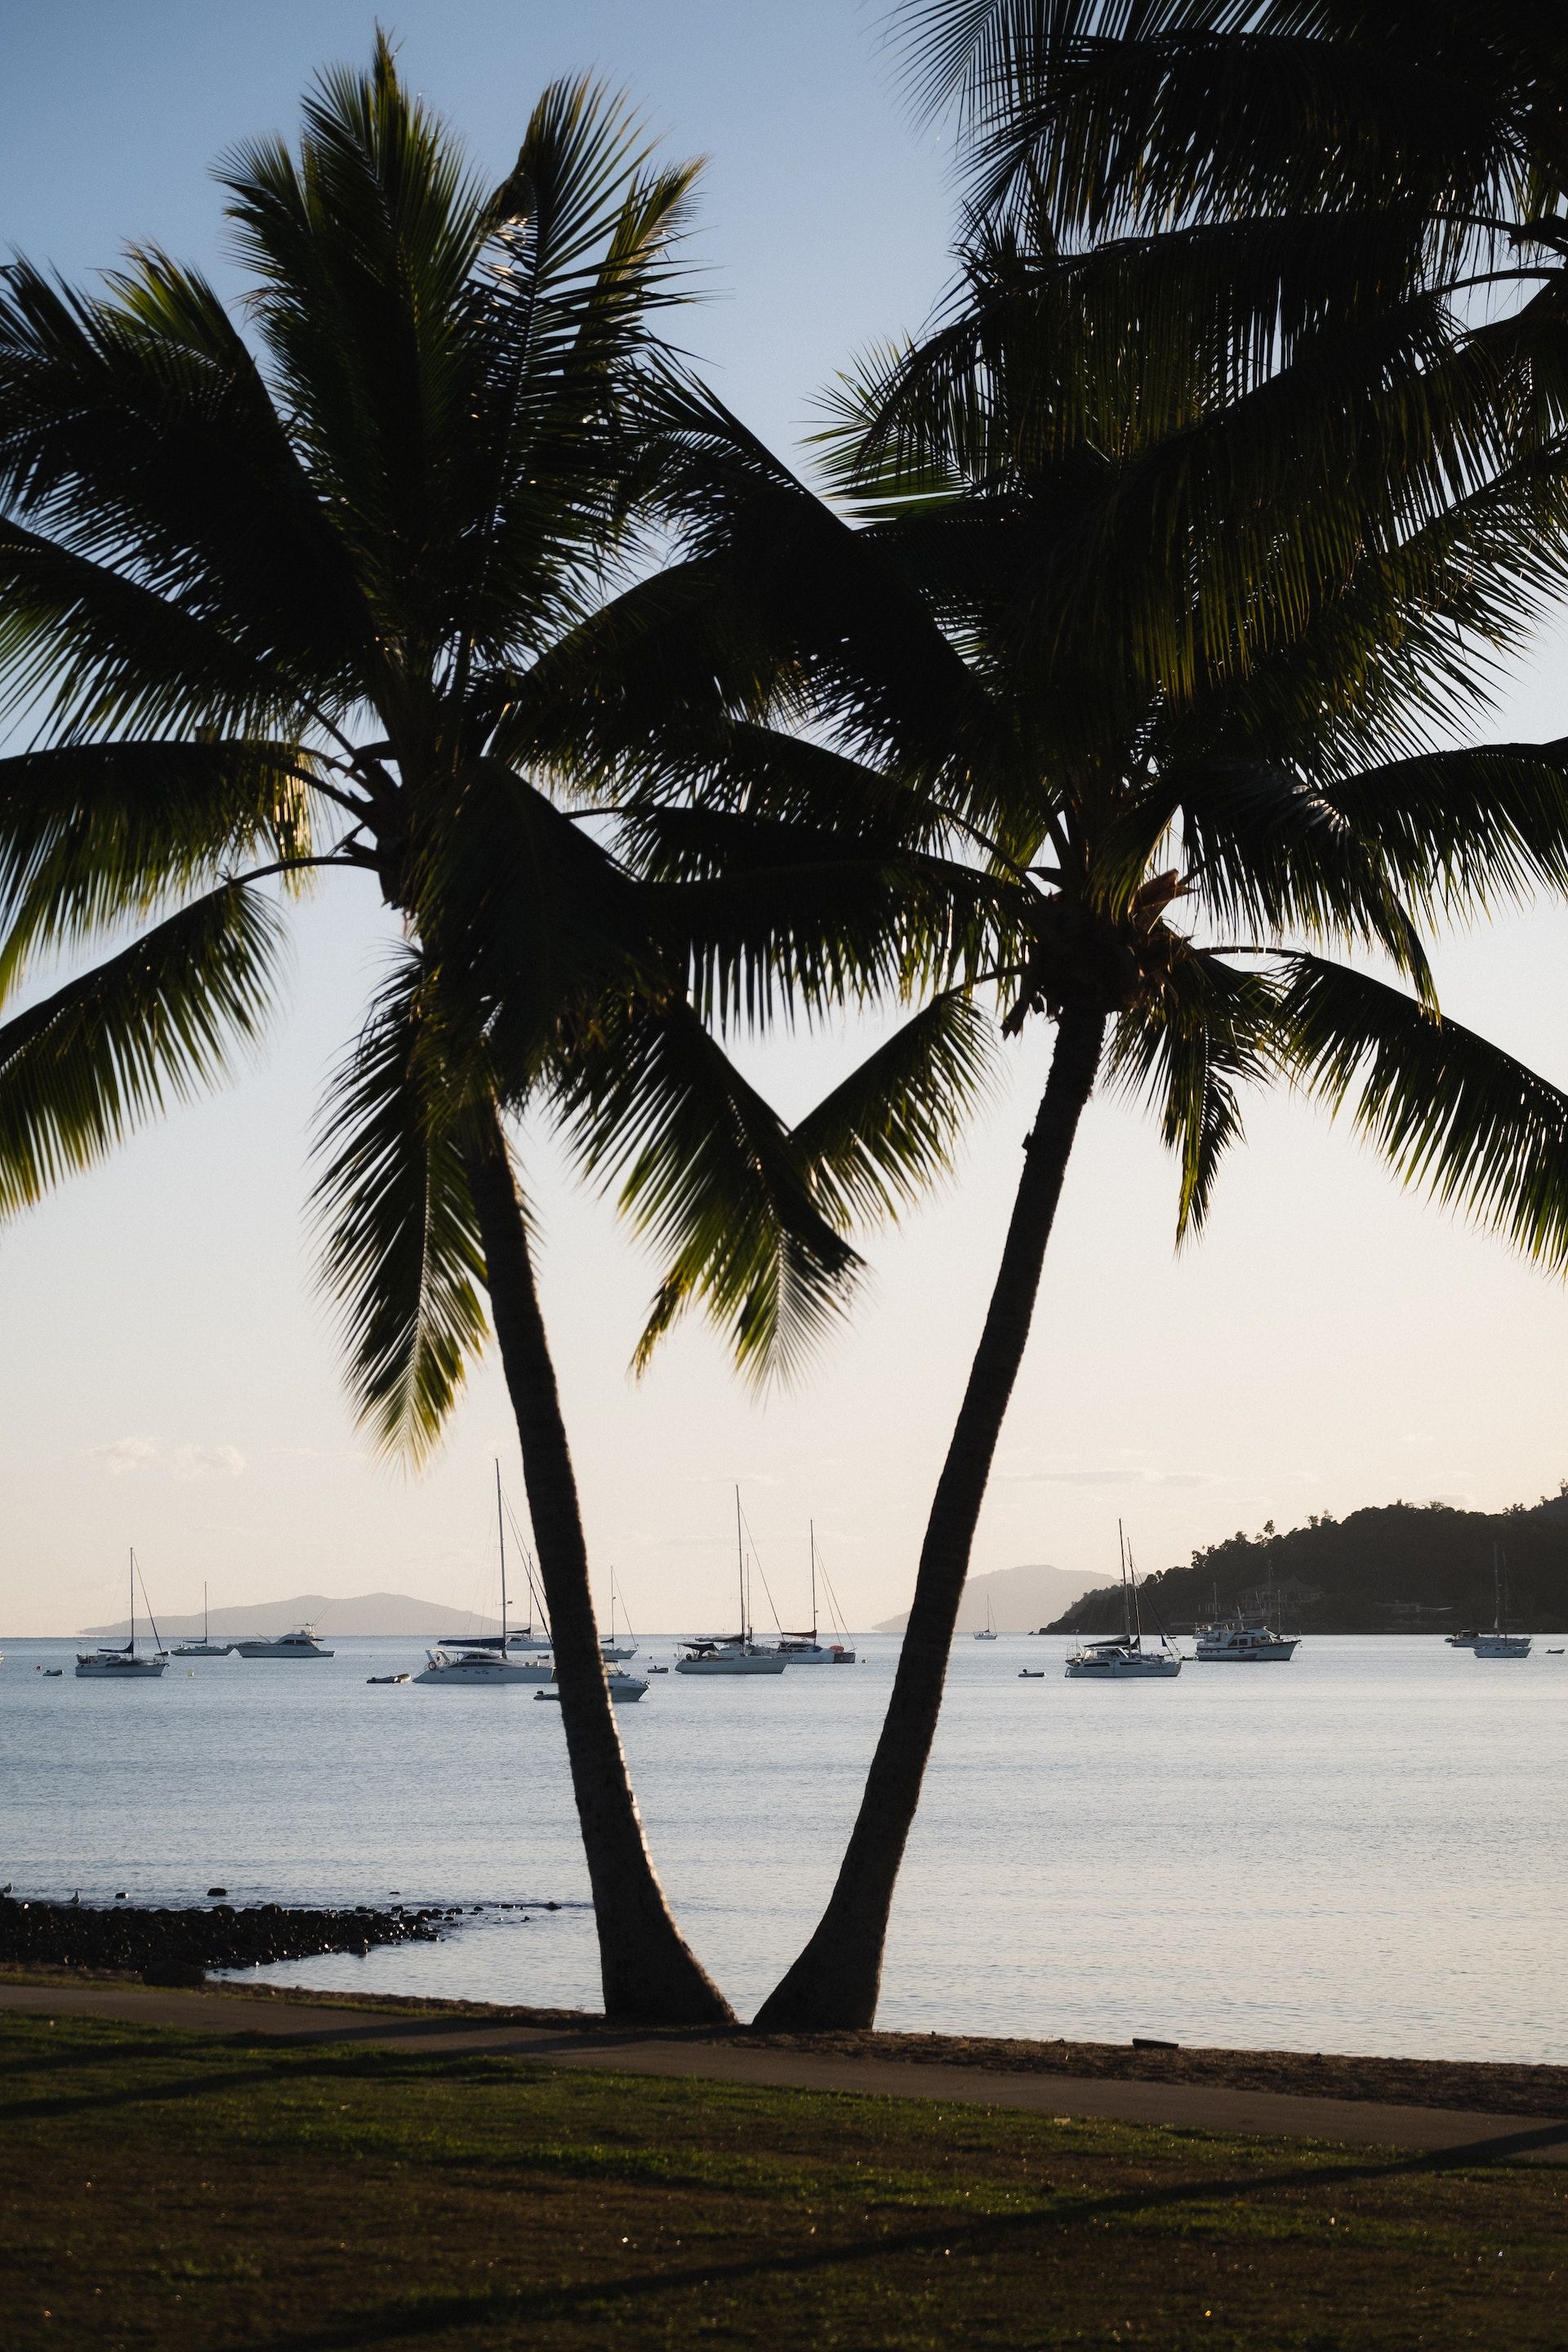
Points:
(501, 1539)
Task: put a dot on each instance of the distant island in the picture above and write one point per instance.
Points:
(1021, 1599)
(362, 1614)
(1401, 1567)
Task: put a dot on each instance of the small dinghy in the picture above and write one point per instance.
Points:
(387, 1678)
(1031, 1674)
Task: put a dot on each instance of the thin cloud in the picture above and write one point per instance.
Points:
(133, 1457)
(1124, 1474)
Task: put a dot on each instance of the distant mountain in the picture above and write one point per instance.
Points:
(1406, 1568)
(1022, 1600)
(365, 1612)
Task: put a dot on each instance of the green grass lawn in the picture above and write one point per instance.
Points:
(185, 2190)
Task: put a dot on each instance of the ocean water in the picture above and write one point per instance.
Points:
(1361, 1851)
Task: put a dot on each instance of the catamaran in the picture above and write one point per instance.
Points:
(1126, 1659)
(126, 1665)
(485, 1660)
(1500, 1642)
(730, 1654)
(207, 1647)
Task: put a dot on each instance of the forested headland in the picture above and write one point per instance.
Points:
(1400, 1568)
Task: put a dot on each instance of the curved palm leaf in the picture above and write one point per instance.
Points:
(160, 1022)
(400, 1252)
(1445, 1108)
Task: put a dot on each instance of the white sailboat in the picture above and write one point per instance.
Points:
(609, 1645)
(126, 1665)
(805, 1649)
(988, 1631)
(730, 1654)
(1500, 1642)
(1125, 1659)
(207, 1647)
(486, 1661)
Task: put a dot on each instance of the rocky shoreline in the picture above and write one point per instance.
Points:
(177, 1947)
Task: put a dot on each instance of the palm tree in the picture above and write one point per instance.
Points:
(270, 593)
(1180, 806)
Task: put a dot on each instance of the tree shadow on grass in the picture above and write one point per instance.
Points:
(432, 2314)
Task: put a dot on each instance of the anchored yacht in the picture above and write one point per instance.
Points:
(127, 1665)
(808, 1649)
(1125, 1659)
(207, 1647)
(1500, 1642)
(300, 1644)
(730, 1654)
(1248, 1640)
(488, 1660)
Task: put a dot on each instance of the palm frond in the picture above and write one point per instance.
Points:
(401, 1252)
(1448, 1110)
(707, 1171)
(1189, 1050)
(160, 1022)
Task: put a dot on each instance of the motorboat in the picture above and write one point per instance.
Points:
(609, 1647)
(300, 1644)
(1500, 1642)
(1465, 1640)
(1249, 1641)
(624, 1688)
(808, 1649)
(389, 1678)
(128, 1665)
(1124, 1658)
(207, 1647)
(487, 1662)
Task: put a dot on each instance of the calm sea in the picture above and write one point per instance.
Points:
(1361, 1851)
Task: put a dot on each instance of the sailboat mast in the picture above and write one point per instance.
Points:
(741, 1567)
(812, 1525)
(500, 1537)
(1122, 1556)
(132, 1645)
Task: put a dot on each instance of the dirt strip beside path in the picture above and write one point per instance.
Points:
(1457, 2133)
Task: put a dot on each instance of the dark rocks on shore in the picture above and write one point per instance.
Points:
(175, 1946)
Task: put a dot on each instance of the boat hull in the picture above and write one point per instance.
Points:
(756, 1663)
(119, 1670)
(201, 1649)
(1122, 1670)
(1502, 1645)
(1257, 1654)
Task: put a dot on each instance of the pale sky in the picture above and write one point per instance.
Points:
(169, 1378)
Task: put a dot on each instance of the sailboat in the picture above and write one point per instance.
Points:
(730, 1654)
(1125, 1659)
(609, 1645)
(486, 1660)
(805, 1649)
(988, 1631)
(1500, 1642)
(207, 1647)
(125, 1665)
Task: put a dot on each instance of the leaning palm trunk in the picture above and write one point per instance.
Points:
(836, 1980)
(648, 1972)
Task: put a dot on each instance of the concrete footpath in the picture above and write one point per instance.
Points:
(1455, 2134)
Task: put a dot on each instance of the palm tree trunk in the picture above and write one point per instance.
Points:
(648, 1972)
(835, 1982)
